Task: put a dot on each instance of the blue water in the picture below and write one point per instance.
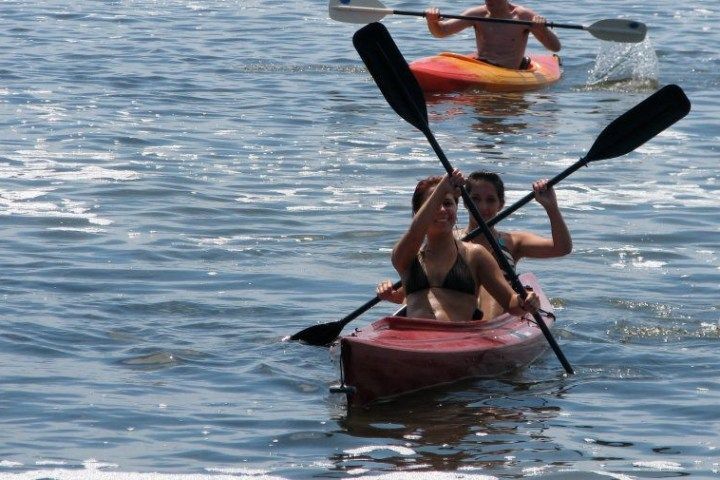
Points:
(184, 183)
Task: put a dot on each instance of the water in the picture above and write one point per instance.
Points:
(184, 183)
(626, 64)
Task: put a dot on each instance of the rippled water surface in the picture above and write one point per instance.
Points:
(184, 183)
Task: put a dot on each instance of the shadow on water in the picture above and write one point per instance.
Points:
(476, 424)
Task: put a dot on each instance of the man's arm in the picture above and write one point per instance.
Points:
(444, 28)
(540, 30)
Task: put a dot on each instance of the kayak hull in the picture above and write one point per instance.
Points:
(451, 72)
(398, 355)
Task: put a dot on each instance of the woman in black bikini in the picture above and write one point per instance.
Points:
(441, 275)
(488, 194)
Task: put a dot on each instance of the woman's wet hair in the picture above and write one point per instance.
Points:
(491, 177)
(422, 188)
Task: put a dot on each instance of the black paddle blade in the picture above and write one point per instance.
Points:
(319, 335)
(641, 123)
(391, 73)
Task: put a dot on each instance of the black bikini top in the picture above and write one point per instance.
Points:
(458, 278)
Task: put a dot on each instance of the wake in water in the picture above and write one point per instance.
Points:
(625, 67)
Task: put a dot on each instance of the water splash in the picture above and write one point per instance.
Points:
(625, 66)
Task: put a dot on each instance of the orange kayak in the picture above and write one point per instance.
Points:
(452, 72)
(397, 355)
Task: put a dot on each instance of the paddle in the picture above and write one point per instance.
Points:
(626, 133)
(401, 90)
(367, 11)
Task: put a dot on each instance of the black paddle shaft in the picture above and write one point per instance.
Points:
(501, 259)
(629, 24)
(527, 23)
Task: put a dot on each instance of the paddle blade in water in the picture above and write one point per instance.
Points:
(319, 335)
(391, 73)
(618, 30)
(327, 332)
(357, 11)
(641, 123)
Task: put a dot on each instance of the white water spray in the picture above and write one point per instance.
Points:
(625, 66)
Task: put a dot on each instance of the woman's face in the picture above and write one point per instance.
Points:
(446, 216)
(485, 198)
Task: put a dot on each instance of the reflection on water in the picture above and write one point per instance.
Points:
(495, 113)
(474, 425)
(501, 113)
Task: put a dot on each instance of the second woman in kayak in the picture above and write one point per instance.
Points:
(487, 192)
(442, 276)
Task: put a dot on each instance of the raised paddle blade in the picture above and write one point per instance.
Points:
(640, 123)
(391, 74)
(618, 30)
(357, 11)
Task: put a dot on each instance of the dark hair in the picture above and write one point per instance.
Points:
(490, 177)
(421, 190)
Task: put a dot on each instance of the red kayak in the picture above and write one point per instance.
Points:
(397, 355)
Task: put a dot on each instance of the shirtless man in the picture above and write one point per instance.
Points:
(500, 44)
